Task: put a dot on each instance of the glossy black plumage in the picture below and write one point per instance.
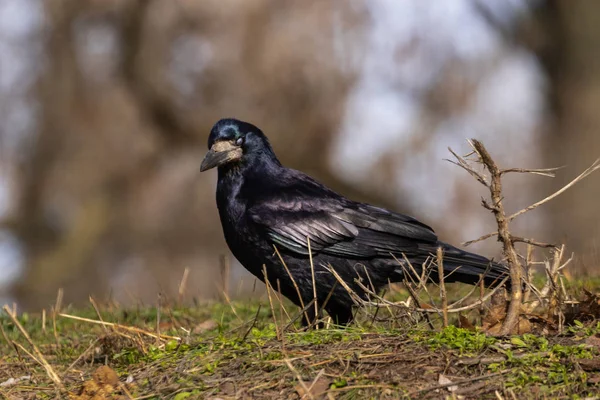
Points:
(263, 205)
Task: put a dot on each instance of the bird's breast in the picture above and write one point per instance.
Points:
(237, 228)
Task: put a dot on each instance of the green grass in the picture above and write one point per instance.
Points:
(243, 353)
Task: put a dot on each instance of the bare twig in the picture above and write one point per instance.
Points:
(462, 162)
(435, 309)
(549, 172)
(552, 272)
(595, 165)
(479, 239)
(517, 239)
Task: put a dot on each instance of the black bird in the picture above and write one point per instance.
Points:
(264, 205)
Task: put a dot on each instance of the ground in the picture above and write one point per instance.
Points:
(223, 350)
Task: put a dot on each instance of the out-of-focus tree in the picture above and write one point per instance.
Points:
(565, 36)
(106, 193)
(568, 50)
(109, 192)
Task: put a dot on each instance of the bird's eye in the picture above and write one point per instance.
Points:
(239, 141)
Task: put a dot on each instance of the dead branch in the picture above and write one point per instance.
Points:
(479, 239)
(553, 293)
(462, 162)
(504, 236)
(517, 239)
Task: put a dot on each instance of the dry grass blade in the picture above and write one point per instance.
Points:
(457, 383)
(158, 307)
(183, 285)
(230, 304)
(444, 297)
(435, 310)
(479, 284)
(355, 297)
(119, 326)
(280, 300)
(319, 375)
(299, 378)
(314, 282)
(97, 310)
(300, 314)
(39, 357)
(293, 281)
(269, 288)
(225, 267)
(595, 166)
(85, 352)
(252, 324)
(553, 270)
(59, 300)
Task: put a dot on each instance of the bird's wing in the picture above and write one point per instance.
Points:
(339, 228)
(291, 223)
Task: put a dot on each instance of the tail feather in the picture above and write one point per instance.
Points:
(463, 266)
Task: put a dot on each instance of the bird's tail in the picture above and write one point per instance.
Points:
(462, 266)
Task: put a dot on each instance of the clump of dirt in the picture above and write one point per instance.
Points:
(103, 385)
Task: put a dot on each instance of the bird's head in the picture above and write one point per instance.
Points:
(232, 142)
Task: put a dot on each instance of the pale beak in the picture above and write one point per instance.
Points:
(220, 153)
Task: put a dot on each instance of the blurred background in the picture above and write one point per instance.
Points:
(106, 106)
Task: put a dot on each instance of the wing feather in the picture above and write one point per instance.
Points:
(345, 230)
